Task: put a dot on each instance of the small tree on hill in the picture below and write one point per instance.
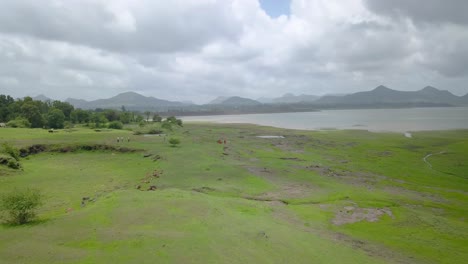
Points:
(174, 142)
(147, 114)
(157, 118)
(21, 205)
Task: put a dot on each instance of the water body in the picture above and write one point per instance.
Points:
(394, 120)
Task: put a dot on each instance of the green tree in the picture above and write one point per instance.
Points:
(147, 114)
(66, 108)
(157, 118)
(111, 115)
(125, 117)
(55, 118)
(80, 116)
(31, 112)
(174, 142)
(173, 120)
(166, 125)
(115, 125)
(21, 205)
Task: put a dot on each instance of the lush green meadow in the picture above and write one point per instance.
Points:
(310, 197)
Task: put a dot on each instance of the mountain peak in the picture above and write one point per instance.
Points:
(129, 93)
(381, 88)
(430, 89)
(41, 97)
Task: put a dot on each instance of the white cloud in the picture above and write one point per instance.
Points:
(199, 49)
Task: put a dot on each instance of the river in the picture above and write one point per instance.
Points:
(393, 120)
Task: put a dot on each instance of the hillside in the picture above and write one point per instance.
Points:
(233, 101)
(131, 101)
(384, 95)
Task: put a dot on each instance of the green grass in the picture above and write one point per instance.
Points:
(258, 201)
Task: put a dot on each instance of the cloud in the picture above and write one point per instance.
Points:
(427, 11)
(123, 26)
(199, 49)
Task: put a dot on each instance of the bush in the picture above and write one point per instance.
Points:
(10, 150)
(21, 205)
(19, 122)
(174, 142)
(115, 125)
(13, 164)
(68, 125)
(154, 131)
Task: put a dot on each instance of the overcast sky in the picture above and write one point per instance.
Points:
(199, 49)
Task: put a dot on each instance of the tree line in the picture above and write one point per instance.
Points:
(30, 113)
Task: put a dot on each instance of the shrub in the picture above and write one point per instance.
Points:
(13, 164)
(21, 205)
(19, 122)
(166, 125)
(10, 150)
(115, 125)
(68, 125)
(174, 142)
(154, 131)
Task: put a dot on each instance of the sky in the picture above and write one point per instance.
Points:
(199, 49)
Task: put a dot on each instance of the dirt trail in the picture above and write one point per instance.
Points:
(432, 154)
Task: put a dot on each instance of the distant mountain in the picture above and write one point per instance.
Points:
(235, 101)
(464, 99)
(131, 101)
(384, 95)
(77, 103)
(42, 98)
(291, 98)
(218, 100)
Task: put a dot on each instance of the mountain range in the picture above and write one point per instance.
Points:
(385, 95)
(381, 96)
(130, 100)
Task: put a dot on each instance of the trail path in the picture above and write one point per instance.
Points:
(432, 154)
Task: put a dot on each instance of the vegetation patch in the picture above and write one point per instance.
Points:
(38, 148)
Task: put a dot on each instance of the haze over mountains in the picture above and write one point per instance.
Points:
(378, 97)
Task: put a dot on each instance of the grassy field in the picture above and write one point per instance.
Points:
(310, 197)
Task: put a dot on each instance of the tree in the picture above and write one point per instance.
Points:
(157, 118)
(173, 120)
(111, 115)
(166, 125)
(21, 205)
(98, 119)
(55, 118)
(31, 112)
(174, 142)
(66, 108)
(115, 125)
(80, 116)
(147, 114)
(126, 117)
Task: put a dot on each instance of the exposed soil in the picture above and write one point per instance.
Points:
(352, 214)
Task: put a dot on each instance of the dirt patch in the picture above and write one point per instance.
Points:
(294, 159)
(352, 214)
(288, 191)
(204, 189)
(357, 178)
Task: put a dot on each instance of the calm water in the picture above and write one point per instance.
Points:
(397, 120)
